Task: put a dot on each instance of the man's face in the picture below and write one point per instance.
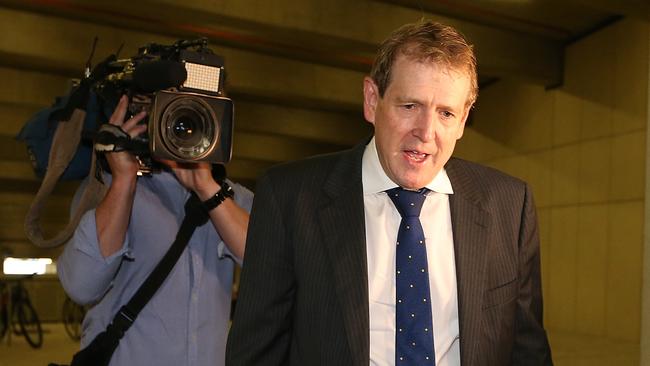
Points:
(418, 120)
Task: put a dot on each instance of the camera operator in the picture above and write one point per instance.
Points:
(117, 245)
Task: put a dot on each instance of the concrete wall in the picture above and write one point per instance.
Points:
(582, 148)
(286, 108)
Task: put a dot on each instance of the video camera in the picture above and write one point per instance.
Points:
(181, 86)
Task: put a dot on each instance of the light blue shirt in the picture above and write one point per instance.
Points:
(186, 322)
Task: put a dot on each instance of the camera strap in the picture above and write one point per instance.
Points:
(112, 138)
(100, 350)
(64, 145)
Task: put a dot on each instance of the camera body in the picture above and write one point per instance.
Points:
(181, 87)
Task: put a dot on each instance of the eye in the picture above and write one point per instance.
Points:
(447, 114)
(409, 106)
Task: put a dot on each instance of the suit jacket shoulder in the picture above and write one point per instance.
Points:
(334, 173)
(497, 260)
(304, 271)
(485, 186)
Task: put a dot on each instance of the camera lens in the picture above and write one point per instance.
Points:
(189, 128)
(184, 128)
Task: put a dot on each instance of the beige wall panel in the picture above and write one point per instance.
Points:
(266, 75)
(624, 270)
(567, 117)
(595, 170)
(17, 170)
(591, 266)
(589, 66)
(562, 275)
(630, 89)
(30, 88)
(531, 117)
(12, 149)
(596, 81)
(524, 123)
(14, 117)
(596, 119)
(478, 146)
(59, 40)
(276, 148)
(14, 206)
(321, 125)
(628, 160)
(491, 119)
(244, 169)
(565, 186)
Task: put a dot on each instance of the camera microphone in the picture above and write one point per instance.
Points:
(151, 76)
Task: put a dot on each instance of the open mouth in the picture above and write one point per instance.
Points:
(415, 156)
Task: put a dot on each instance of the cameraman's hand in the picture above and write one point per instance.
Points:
(229, 219)
(123, 164)
(194, 176)
(113, 212)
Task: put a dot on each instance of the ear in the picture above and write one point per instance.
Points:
(370, 99)
(461, 128)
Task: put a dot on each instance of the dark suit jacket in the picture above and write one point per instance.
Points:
(303, 296)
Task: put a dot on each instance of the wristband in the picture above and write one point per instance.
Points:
(214, 201)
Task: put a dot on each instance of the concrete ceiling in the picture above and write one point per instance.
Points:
(289, 61)
(522, 38)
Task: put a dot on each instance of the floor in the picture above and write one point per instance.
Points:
(568, 350)
(57, 347)
(576, 350)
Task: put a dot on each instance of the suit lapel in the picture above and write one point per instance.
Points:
(470, 224)
(343, 228)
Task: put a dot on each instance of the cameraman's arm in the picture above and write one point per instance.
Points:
(113, 212)
(229, 219)
(90, 260)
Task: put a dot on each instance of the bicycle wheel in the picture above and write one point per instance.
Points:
(30, 326)
(73, 315)
(4, 321)
(13, 321)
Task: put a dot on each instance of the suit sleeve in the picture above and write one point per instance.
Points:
(531, 344)
(262, 325)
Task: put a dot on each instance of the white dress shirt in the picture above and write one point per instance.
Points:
(382, 223)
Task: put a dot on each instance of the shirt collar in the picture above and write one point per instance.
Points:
(375, 180)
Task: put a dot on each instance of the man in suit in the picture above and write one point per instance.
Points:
(338, 272)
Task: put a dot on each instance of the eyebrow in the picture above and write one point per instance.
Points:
(408, 100)
(448, 108)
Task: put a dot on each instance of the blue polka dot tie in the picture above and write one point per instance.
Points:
(413, 320)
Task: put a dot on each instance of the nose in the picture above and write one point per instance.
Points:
(425, 127)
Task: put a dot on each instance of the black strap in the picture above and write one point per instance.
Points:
(112, 138)
(195, 216)
(100, 350)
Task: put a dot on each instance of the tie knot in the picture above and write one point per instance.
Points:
(408, 203)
